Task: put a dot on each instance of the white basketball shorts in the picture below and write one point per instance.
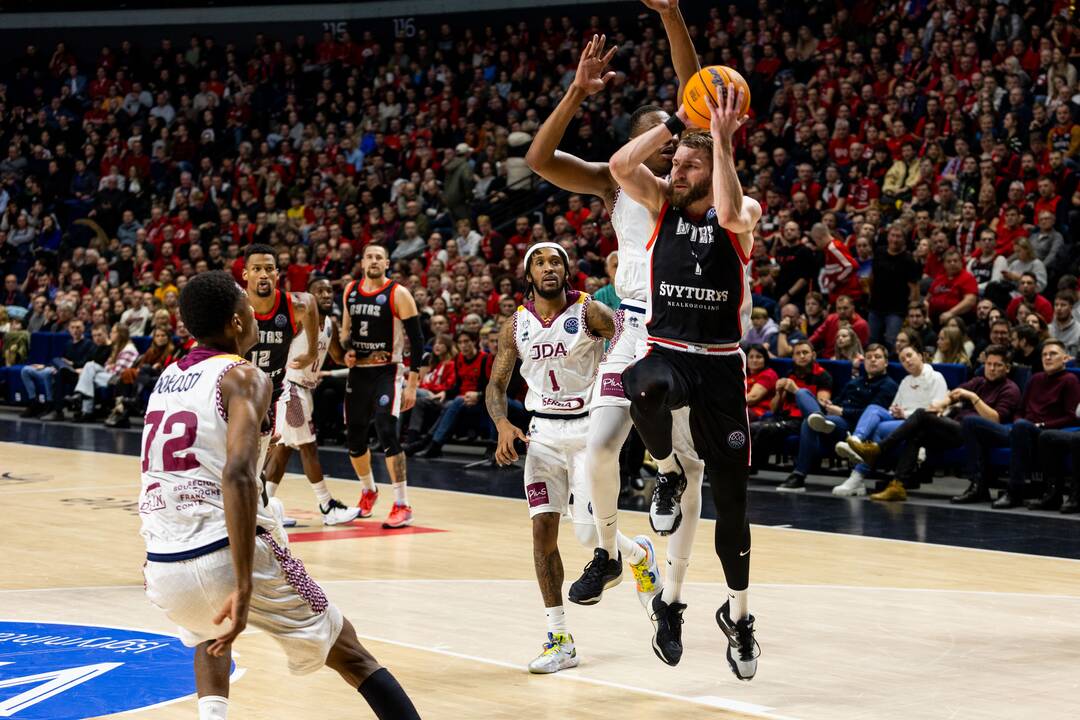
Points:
(627, 346)
(292, 417)
(285, 602)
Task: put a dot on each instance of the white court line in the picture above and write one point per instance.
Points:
(29, 491)
(709, 701)
(699, 583)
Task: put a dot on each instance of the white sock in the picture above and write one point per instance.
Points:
(271, 488)
(739, 604)
(608, 530)
(400, 496)
(667, 465)
(367, 482)
(631, 551)
(322, 493)
(213, 707)
(556, 619)
(676, 576)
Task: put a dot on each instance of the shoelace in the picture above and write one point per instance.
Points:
(594, 571)
(744, 635)
(665, 615)
(664, 495)
(553, 646)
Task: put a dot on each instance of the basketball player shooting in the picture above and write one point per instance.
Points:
(212, 564)
(558, 335)
(670, 514)
(699, 307)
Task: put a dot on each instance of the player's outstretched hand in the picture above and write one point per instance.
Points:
(235, 609)
(508, 433)
(726, 114)
(590, 75)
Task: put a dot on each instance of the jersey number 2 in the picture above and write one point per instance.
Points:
(170, 461)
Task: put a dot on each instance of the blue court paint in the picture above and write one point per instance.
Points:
(66, 672)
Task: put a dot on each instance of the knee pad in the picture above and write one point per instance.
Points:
(356, 438)
(387, 429)
(586, 534)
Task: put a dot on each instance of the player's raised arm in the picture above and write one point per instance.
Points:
(600, 319)
(563, 169)
(245, 395)
(309, 321)
(628, 168)
(683, 54)
(406, 311)
(495, 396)
(734, 211)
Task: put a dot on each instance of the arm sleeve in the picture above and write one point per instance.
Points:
(416, 342)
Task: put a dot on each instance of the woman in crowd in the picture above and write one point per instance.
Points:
(121, 356)
(814, 314)
(134, 381)
(848, 346)
(760, 382)
(950, 347)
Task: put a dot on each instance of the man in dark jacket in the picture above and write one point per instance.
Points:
(1050, 402)
(825, 423)
(465, 403)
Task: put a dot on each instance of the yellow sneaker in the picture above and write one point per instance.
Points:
(647, 573)
(893, 492)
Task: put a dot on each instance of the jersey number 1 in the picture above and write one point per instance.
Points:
(170, 461)
(554, 382)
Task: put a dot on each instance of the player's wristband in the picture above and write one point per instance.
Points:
(674, 125)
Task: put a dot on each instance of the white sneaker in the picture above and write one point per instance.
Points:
(848, 453)
(851, 487)
(337, 513)
(819, 423)
(559, 654)
(647, 573)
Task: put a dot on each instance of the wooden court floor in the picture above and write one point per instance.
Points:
(850, 627)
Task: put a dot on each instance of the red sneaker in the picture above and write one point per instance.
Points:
(367, 502)
(400, 516)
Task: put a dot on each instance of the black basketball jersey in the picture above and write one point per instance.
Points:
(700, 282)
(277, 329)
(373, 325)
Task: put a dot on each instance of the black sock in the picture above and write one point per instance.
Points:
(386, 698)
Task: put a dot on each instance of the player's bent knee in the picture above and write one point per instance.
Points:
(545, 531)
(386, 429)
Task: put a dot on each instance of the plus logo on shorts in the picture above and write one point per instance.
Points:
(537, 494)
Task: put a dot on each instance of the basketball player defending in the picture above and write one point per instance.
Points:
(610, 422)
(379, 314)
(288, 342)
(294, 410)
(558, 335)
(699, 306)
(212, 564)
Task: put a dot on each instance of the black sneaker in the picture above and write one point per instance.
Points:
(600, 574)
(667, 623)
(743, 649)
(794, 483)
(433, 451)
(665, 514)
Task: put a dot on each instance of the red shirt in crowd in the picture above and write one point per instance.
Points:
(1042, 307)
(825, 335)
(767, 379)
(945, 292)
(815, 379)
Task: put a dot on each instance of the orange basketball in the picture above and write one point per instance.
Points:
(710, 80)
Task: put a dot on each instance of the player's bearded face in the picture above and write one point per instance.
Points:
(548, 275)
(261, 275)
(684, 191)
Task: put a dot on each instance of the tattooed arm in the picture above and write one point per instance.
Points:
(495, 396)
(600, 319)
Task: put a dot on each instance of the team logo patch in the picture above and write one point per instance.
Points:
(537, 494)
(611, 385)
(380, 299)
(736, 440)
(710, 213)
(66, 672)
(571, 326)
(384, 400)
(281, 321)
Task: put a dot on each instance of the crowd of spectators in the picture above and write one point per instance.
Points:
(917, 163)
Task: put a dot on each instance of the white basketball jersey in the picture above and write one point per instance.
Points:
(559, 359)
(183, 456)
(633, 227)
(309, 377)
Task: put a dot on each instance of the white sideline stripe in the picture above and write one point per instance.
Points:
(16, 490)
(708, 700)
(491, 581)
